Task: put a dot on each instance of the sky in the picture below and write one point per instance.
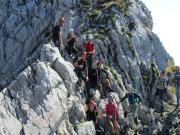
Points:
(166, 18)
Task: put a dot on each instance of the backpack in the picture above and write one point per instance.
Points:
(133, 98)
(89, 46)
(55, 33)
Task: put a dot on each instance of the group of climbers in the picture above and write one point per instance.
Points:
(162, 87)
(96, 77)
(92, 74)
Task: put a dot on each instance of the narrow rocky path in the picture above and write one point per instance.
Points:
(172, 122)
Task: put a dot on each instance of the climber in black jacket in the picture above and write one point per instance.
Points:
(81, 68)
(72, 42)
(57, 35)
(93, 114)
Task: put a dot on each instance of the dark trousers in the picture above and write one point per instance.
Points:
(72, 50)
(89, 60)
(161, 93)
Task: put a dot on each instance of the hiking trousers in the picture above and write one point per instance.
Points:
(58, 45)
(161, 94)
(134, 108)
(89, 60)
(178, 93)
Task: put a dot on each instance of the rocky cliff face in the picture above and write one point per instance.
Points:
(36, 81)
(23, 28)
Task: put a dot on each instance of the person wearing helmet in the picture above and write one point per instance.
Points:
(134, 100)
(92, 114)
(72, 42)
(92, 111)
(104, 81)
(57, 35)
(90, 50)
(111, 113)
(81, 68)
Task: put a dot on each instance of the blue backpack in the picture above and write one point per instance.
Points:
(133, 98)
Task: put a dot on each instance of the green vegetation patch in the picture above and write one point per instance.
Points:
(93, 13)
(85, 2)
(170, 66)
(114, 74)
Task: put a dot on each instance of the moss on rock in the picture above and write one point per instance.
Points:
(85, 2)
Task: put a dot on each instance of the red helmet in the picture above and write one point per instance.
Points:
(91, 103)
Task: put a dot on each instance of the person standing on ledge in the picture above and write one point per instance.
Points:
(57, 35)
(161, 90)
(177, 84)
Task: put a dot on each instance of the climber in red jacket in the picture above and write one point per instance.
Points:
(111, 113)
(89, 49)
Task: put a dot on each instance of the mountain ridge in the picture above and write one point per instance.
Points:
(39, 90)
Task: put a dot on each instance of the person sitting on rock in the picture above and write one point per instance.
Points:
(111, 114)
(104, 81)
(93, 114)
(81, 68)
(162, 85)
(57, 35)
(72, 41)
(176, 81)
(90, 50)
(134, 100)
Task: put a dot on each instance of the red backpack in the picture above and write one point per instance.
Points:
(89, 46)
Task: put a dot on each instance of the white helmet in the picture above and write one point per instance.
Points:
(71, 30)
(90, 37)
(110, 96)
(129, 87)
